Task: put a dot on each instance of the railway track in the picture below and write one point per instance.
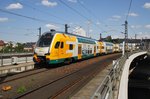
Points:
(64, 84)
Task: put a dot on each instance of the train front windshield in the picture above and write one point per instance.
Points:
(45, 40)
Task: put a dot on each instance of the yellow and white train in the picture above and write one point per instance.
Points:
(57, 47)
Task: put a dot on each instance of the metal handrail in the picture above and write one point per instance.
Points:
(109, 84)
(21, 58)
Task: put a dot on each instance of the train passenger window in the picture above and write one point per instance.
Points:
(70, 46)
(90, 51)
(57, 44)
(86, 51)
(62, 45)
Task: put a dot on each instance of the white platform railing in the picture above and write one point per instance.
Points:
(115, 84)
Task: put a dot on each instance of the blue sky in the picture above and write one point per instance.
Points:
(93, 16)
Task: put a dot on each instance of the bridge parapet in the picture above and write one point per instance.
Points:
(115, 84)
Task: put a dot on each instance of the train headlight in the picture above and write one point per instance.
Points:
(35, 53)
(47, 58)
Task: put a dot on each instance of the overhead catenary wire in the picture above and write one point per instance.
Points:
(88, 10)
(84, 17)
(41, 11)
(80, 14)
(74, 10)
(29, 17)
(91, 13)
(46, 13)
(131, 28)
(79, 2)
(129, 10)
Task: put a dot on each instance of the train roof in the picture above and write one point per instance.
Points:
(81, 38)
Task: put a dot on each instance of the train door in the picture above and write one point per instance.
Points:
(79, 51)
(55, 51)
(101, 47)
(62, 49)
(94, 50)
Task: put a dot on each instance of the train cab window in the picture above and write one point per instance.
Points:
(45, 40)
(70, 46)
(62, 45)
(57, 44)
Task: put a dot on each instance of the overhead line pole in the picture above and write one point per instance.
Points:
(126, 36)
(66, 28)
(39, 32)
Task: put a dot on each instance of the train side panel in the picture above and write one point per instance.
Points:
(97, 48)
(116, 47)
(64, 48)
(102, 49)
(108, 47)
(86, 48)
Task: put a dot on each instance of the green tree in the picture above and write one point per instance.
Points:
(19, 47)
(8, 48)
(108, 39)
(11, 48)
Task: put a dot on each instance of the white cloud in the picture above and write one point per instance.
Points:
(147, 5)
(136, 26)
(147, 26)
(14, 6)
(71, 23)
(3, 19)
(143, 35)
(48, 3)
(73, 1)
(90, 30)
(51, 26)
(98, 23)
(133, 14)
(117, 36)
(115, 18)
(79, 31)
